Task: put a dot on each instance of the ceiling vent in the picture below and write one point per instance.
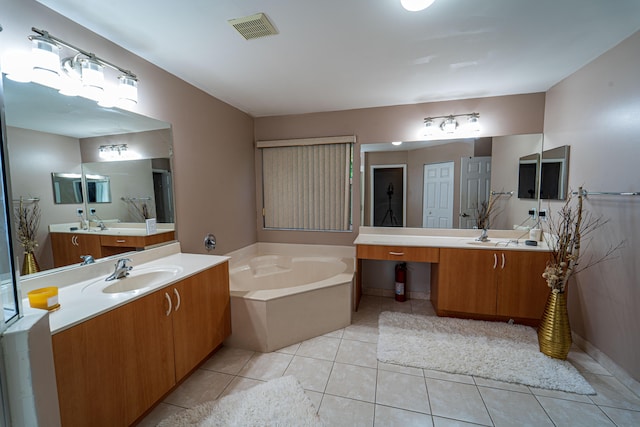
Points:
(254, 26)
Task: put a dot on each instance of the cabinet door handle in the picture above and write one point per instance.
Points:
(495, 261)
(177, 294)
(168, 312)
(396, 253)
(74, 240)
(503, 261)
(120, 241)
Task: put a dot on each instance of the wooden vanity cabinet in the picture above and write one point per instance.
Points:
(490, 284)
(69, 247)
(112, 368)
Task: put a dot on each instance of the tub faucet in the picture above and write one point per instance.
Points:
(122, 269)
(483, 236)
(87, 259)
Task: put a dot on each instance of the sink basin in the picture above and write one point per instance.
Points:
(137, 280)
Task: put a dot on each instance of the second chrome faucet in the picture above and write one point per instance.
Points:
(122, 269)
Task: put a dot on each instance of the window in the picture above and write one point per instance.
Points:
(306, 183)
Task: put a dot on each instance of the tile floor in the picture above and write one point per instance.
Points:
(343, 378)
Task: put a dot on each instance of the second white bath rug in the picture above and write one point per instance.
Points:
(492, 350)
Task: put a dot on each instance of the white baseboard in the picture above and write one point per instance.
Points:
(619, 373)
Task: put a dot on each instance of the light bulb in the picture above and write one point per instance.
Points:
(416, 5)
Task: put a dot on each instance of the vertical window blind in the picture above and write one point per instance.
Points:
(307, 183)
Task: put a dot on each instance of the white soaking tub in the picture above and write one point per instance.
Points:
(282, 294)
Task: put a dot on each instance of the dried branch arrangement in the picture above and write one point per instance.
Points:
(564, 238)
(485, 211)
(27, 221)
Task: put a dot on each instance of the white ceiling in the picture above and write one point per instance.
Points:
(344, 54)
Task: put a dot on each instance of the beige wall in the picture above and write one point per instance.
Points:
(505, 115)
(597, 112)
(213, 142)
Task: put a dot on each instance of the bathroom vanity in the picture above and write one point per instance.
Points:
(500, 279)
(69, 245)
(117, 354)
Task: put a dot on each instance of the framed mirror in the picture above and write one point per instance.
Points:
(67, 188)
(554, 173)
(49, 132)
(528, 168)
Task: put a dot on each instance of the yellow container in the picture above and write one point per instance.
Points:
(44, 298)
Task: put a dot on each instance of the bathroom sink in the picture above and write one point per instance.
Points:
(137, 280)
(495, 242)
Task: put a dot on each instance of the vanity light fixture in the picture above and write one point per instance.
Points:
(112, 152)
(416, 5)
(396, 143)
(82, 74)
(449, 125)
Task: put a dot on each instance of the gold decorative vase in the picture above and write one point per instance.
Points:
(554, 331)
(29, 265)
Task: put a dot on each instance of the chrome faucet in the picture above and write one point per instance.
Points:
(483, 236)
(102, 226)
(87, 259)
(122, 269)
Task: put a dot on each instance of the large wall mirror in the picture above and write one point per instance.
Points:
(546, 176)
(54, 151)
(453, 181)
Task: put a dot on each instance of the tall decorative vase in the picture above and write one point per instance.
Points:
(554, 331)
(29, 264)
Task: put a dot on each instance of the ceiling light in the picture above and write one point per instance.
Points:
(449, 125)
(82, 74)
(112, 152)
(45, 54)
(396, 143)
(416, 5)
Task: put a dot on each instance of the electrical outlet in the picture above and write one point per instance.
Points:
(92, 211)
(532, 213)
(543, 214)
(79, 212)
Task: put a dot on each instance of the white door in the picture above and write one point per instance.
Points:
(475, 186)
(437, 205)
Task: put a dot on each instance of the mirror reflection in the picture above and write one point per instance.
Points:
(528, 176)
(54, 145)
(554, 173)
(445, 180)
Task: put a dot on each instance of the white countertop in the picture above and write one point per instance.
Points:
(113, 229)
(83, 300)
(447, 238)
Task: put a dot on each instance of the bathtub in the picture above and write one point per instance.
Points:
(282, 294)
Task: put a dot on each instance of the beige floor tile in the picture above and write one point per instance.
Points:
(402, 391)
(366, 333)
(365, 318)
(458, 401)
(358, 353)
(266, 366)
(228, 360)
(240, 384)
(292, 349)
(446, 422)
(510, 408)
(335, 334)
(202, 386)
(585, 363)
(353, 382)
(393, 305)
(159, 413)
(569, 413)
(622, 417)
(501, 385)
(440, 375)
(316, 398)
(386, 416)
(341, 412)
(409, 370)
(312, 374)
(319, 348)
(611, 392)
(560, 395)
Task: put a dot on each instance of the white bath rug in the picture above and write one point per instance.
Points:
(279, 402)
(492, 350)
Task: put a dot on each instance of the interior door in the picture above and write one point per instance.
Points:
(437, 205)
(475, 187)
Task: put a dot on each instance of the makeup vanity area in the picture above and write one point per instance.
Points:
(500, 279)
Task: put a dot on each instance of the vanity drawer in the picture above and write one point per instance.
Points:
(128, 241)
(398, 253)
